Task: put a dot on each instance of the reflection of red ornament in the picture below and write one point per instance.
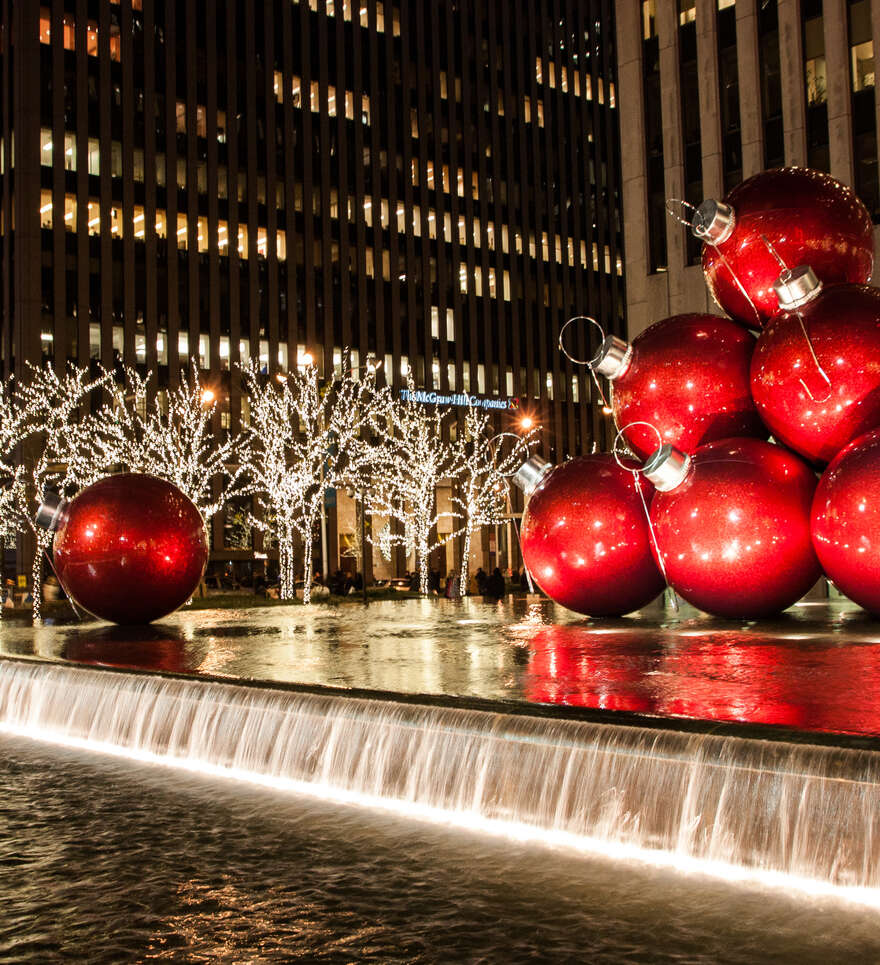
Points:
(846, 521)
(688, 377)
(573, 666)
(809, 218)
(130, 548)
(585, 536)
(733, 525)
(815, 415)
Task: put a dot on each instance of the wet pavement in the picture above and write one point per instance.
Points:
(815, 669)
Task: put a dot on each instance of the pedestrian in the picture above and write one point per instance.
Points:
(481, 581)
(495, 585)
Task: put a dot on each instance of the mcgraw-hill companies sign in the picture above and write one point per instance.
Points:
(427, 397)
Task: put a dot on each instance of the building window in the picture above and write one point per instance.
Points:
(728, 79)
(771, 85)
(864, 124)
(816, 83)
(656, 184)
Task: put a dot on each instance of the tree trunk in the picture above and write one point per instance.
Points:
(44, 540)
(465, 560)
(287, 590)
(307, 572)
(423, 556)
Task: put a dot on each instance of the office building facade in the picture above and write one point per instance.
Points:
(715, 91)
(433, 185)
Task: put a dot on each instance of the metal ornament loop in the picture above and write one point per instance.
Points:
(519, 442)
(784, 278)
(578, 318)
(672, 203)
(635, 475)
(616, 452)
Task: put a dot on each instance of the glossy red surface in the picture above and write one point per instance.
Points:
(131, 548)
(688, 377)
(843, 323)
(735, 534)
(586, 541)
(846, 521)
(809, 217)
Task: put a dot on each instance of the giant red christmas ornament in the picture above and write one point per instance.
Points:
(585, 536)
(816, 368)
(687, 377)
(732, 523)
(846, 521)
(808, 217)
(130, 548)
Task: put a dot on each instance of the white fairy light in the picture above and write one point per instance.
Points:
(52, 406)
(406, 462)
(175, 441)
(304, 438)
(482, 493)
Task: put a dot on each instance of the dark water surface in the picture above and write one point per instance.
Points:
(106, 861)
(816, 668)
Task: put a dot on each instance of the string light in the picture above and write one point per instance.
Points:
(481, 494)
(303, 439)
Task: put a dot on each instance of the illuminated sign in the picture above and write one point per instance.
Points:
(429, 397)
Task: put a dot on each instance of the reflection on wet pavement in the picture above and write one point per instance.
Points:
(817, 668)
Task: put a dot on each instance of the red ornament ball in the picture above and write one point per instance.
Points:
(846, 521)
(586, 541)
(733, 527)
(130, 548)
(808, 216)
(688, 377)
(813, 415)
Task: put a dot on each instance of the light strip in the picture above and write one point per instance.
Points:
(468, 820)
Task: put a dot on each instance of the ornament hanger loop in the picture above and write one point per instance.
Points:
(562, 348)
(617, 453)
(635, 474)
(785, 277)
(519, 441)
(676, 209)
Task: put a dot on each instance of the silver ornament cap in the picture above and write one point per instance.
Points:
(531, 474)
(713, 221)
(796, 286)
(613, 357)
(49, 511)
(666, 467)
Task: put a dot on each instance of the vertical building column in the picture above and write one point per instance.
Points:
(839, 90)
(667, 35)
(748, 66)
(632, 162)
(710, 99)
(794, 101)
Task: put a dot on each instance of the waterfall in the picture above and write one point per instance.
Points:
(752, 808)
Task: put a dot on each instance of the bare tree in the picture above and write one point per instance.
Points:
(303, 440)
(482, 491)
(406, 465)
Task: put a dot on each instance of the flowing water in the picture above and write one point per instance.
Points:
(800, 815)
(103, 861)
(817, 668)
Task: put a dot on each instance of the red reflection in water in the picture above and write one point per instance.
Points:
(572, 666)
(142, 649)
(786, 679)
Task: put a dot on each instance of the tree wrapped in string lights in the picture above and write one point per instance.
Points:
(482, 491)
(304, 438)
(172, 438)
(53, 409)
(405, 464)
